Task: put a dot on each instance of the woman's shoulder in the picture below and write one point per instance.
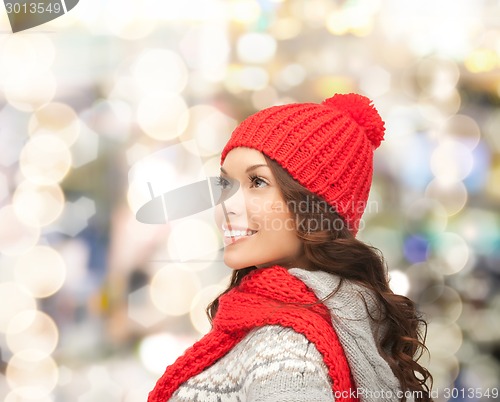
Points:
(270, 364)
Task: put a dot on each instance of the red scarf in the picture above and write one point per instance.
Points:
(268, 296)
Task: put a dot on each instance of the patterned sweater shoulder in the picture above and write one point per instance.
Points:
(271, 364)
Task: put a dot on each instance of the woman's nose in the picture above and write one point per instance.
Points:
(234, 204)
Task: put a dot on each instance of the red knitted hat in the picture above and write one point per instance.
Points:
(327, 147)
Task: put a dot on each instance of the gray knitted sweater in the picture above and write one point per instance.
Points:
(277, 364)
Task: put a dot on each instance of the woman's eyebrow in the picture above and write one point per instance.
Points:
(253, 167)
(248, 169)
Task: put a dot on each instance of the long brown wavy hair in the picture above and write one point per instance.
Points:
(329, 246)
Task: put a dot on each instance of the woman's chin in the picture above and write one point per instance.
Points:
(237, 263)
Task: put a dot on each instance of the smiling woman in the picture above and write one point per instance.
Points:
(308, 315)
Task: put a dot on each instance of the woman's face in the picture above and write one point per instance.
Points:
(257, 227)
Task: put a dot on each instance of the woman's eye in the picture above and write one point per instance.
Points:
(258, 182)
(223, 183)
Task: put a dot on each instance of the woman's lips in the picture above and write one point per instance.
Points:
(233, 235)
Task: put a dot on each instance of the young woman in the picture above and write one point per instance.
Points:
(308, 315)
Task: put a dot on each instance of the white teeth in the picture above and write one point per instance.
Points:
(238, 233)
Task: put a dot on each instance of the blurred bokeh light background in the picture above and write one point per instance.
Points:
(120, 100)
